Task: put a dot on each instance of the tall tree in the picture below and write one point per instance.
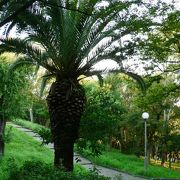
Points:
(68, 43)
(162, 46)
(104, 121)
(14, 98)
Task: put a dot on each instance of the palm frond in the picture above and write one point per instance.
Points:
(21, 61)
(136, 77)
(44, 82)
(99, 22)
(69, 43)
(32, 52)
(93, 72)
(17, 12)
(10, 27)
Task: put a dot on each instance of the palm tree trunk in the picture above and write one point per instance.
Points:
(64, 135)
(64, 155)
(66, 104)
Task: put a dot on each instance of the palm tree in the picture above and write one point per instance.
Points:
(68, 43)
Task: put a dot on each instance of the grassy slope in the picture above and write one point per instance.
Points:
(22, 148)
(133, 165)
(127, 163)
(28, 124)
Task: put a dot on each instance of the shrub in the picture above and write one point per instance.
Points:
(36, 170)
(45, 134)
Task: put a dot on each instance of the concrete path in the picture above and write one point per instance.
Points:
(113, 174)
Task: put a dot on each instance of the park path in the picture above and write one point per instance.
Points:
(113, 174)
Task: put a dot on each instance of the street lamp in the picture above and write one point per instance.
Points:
(145, 116)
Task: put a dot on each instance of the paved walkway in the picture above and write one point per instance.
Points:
(113, 174)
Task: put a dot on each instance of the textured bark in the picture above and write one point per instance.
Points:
(66, 104)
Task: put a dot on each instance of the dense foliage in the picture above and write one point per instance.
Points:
(36, 170)
(100, 119)
(14, 94)
(14, 89)
(35, 161)
(160, 102)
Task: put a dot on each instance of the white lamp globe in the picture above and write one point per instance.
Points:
(145, 115)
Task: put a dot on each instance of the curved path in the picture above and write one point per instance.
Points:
(113, 174)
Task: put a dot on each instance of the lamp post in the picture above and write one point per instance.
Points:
(145, 116)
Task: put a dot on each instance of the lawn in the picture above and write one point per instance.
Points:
(22, 148)
(114, 159)
(28, 124)
(130, 163)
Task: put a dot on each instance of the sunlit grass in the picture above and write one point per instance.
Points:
(23, 148)
(127, 163)
(132, 164)
(28, 124)
(26, 148)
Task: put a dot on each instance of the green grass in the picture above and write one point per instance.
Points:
(115, 159)
(132, 164)
(28, 124)
(23, 148)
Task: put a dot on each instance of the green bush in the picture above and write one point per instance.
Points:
(36, 170)
(8, 135)
(40, 112)
(45, 134)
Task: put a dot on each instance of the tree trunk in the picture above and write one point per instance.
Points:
(66, 105)
(31, 114)
(170, 159)
(64, 135)
(163, 158)
(64, 155)
(2, 130)
(156, 152)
